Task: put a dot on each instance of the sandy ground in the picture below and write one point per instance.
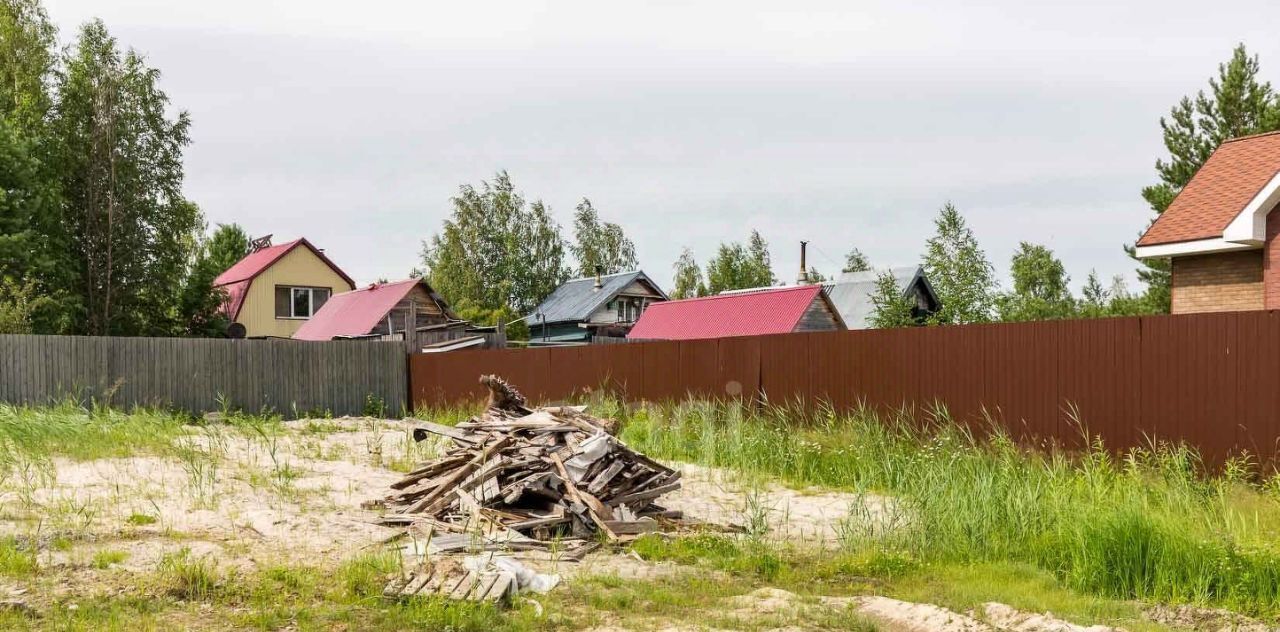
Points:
(904, 616)
(253, 500)
(246, 500)
(808, 515)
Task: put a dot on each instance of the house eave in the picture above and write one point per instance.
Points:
(1250, 225)
(1195, 247)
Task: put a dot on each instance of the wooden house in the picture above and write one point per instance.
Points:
(274, 290)
(602, 305)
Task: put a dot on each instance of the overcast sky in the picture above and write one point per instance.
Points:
(842, 123)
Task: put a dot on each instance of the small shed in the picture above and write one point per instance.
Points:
(380, 309)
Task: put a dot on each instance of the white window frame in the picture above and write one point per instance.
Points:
(311, 300)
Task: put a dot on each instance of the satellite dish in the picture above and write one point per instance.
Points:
(236, 330)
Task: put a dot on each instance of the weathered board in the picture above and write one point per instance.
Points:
(288, 377)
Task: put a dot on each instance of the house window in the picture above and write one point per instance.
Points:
(627, 310)
(299, 302)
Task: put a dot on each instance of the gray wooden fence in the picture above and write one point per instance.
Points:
(289, 377)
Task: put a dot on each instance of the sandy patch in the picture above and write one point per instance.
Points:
(240, 498)
(1209, 619)
(1008, 618)
(816, 516)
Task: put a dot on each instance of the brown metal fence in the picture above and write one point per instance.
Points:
(1212, 380)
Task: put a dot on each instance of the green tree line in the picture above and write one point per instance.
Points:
(96, 236)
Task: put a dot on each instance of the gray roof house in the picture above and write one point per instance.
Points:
(852, 292)
(603, 305)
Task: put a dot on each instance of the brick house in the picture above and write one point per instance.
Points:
(1220, 231)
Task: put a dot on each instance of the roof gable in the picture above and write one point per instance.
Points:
(851, 293)
(576, 299)
(357, 312)
(235, 280)
(1220, 191)
(754, 313)
(256, 263)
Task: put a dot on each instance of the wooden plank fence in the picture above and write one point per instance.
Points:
(1212, 380)
(199, 375)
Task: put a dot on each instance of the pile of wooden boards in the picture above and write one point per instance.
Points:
(523, 478)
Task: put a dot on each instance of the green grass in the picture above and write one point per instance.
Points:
(17, 560)
(1147, 525)
(106, 558)
(71, 431)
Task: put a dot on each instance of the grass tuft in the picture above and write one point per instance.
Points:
(17, 560)
(1148, 524)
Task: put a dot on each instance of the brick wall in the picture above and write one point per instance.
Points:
(1271, 263)
(1220, 282)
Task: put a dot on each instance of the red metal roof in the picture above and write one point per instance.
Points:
(236, 279)
(772, 311)
(354, 313)
(1223, 187)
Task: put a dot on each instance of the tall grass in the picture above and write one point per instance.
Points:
(1146, 525)
(73, 431)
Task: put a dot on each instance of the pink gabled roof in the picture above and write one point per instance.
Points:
(357, 312)
(770, 311)
(236, 279)
(235, 297)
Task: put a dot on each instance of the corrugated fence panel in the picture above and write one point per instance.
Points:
(738, 361)
(785, 376)
(662, 378)
(1100, 381)
(196, 375)
(700, 369)
(1258, 383)
(1207, 379)
(1189, 380)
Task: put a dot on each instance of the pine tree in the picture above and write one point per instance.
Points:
(1237, 104)
(688, 278)
(599, 243)
(959, 270)
(1093, 297)
(855, 261)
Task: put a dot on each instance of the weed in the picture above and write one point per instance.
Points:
(183, 577)
(17, 560)
(140, 520)
(374, 406)
(365, 575)
(107, 557)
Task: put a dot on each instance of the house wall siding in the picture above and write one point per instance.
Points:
(817, 317)
(300, 267)
(1219, 282)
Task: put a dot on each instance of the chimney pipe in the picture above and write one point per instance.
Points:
(599, 282)
(803, 277)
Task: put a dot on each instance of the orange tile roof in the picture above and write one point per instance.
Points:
(1232, 176)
